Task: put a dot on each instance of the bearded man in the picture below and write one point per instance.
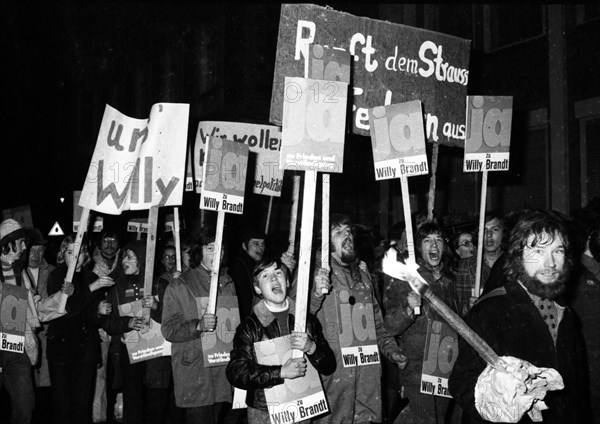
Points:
(353, 326)
(526, 318)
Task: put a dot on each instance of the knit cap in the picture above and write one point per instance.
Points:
(11, 230)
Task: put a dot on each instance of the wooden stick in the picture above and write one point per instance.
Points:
(83, 223)
(176, 239)
(150, 251)
(476, 290)
(214, 274)
(294, 214)
(407, 218)
(432, 180)
(325, 226)
(306, 231)
(269, 214)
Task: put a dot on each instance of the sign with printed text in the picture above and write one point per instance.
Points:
(21, 214)
(264, 140)
(441, 351)
(13, 317)
(224, 176)
(314, 119)
(391, 63)
(357, 334)
(148, 343)
(170, 222)
(328, 64)
(489, 121)
(138, 225)
(217, 345)
(398, 140)
(189, 173)
(296, 399)
(138, 163)
(78, 210)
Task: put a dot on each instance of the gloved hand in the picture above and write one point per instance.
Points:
(505, 396)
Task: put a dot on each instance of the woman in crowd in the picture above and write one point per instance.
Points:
(400, 302)
(73, 345)
(273, 317)
(204, 392)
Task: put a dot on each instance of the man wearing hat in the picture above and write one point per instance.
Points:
(16, 367)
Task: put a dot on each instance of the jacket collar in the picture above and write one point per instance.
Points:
(265, 316)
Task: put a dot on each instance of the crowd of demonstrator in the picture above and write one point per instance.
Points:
(540, 292)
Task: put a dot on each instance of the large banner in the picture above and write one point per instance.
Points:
(441, 351)
(392, 63)
(13, 317)
(224, 176)
(218, 344)
(147, 343)
(357, 334)
(264, 140)
(489, 121)
(314, 118)
(398, 140)
(138, 163)
(296, 399)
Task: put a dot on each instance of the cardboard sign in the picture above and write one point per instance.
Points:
(357, 334)
(217, 345)
(392, 63)
(138, 163)
(297, 399)
(489, 121)
(13, 317)
(314, 119)
(147, 343)
(264, 140)
(138, 225)
(329, 64)
(170, 222)
(441, 351)
(189, 173)
(21, 214)
(78, 210)
(398, 140)
(224, 177)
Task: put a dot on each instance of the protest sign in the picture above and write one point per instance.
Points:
(189, 173)
(138, 163)
(296, 399)
(224, 176)
(216, 345)
(314, 118)
(137, 225)
(441, 351)
(21, 214)
(398, 140)
(147, 343)
(13, 317)
(264, 140)
(357, 334)
(78, 210)
(392, 63)
(489, 120)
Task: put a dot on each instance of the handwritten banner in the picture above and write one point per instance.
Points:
(398, 140)
(264, 140)
(13, 317)
(138, 163)
(392, 63)
(314, 119)
(489, 121)
(217, 345)
(224, 178)
(441, 351)
(147, 343)
(296, 399)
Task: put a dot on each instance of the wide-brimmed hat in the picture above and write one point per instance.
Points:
(11, 230)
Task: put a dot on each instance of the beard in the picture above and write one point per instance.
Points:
(347, 252)
(545, 291)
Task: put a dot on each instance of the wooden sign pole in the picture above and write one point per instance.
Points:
(476, 290)
(150, 251)
(294, 215)
(83, 223)
(269, 214)
(176, 239)
(214, 274)
(407, 218)
(306, 231)
(432, 180)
